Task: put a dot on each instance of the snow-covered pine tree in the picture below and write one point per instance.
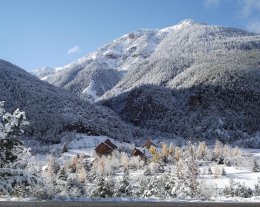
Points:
(192, 172)
(62, 174)
(12, 151)
(237, 189)
(170, 184)
(14, 179)
(64, 148)
(71, 188)
(224, 173)
(153, 187)
(123, 189)
(103, 187)
(139, 186)
(209, 171)
(256, 166)
(257, 188)
(180, 170)
(11, 125)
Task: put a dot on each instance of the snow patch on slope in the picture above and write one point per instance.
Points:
(90, 91)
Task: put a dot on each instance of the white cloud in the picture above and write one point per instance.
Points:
(211, 3)
(250, 10)
(254, 26)
(249, 6)
(74, 49)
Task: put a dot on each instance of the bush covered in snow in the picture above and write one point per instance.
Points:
(12, 152)
(14, 178)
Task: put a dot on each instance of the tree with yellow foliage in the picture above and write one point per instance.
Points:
(171, 150)
(202, 150)
(154, 153)
(177, 155)
(165, 152)
(81, 171)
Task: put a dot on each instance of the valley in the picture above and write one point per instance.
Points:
(157, 115)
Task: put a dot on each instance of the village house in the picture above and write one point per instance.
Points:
(137, 152)
(148, 144)
(105, 148)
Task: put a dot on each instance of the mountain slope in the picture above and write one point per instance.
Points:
(189, 80)
(52, 111)
(103, 69)
(44, 72)
(140, 57)
(188, 45)
(203, 83)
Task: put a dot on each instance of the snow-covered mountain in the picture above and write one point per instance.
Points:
(179, 58)
(130, 60)
(44, 72)
(190, 80)
(52, 110)
(93, 75)
(201, 82)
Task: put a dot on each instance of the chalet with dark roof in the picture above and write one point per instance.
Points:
(148, 144)
(110, 144)
(137, 152)
(105, 148)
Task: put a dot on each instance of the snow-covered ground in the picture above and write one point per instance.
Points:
(86, 145)
(253, 152)
(238, 174)
(217, 180)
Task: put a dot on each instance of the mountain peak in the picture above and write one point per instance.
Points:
(188, 22)
(182, 24)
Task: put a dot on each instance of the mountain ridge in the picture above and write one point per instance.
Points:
(117, 58)
(215, 67)
(52, 111)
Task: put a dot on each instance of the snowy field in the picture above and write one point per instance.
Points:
(81, 149)
(86, 145)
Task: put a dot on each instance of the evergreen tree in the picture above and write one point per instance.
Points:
(11, 125)
(257, 188)
(103, 187)
(223, 172)
(209, 171)
(12, 152)
(170, 184)
(153, 187)
(64, 148)
(255, 167)
(192, 172)
(62, 174)
(124, 187)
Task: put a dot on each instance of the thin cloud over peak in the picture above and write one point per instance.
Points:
(74, 49)
(253, 26)
(249, 6)
(249, 9)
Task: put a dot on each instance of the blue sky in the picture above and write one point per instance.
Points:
(35, 33)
